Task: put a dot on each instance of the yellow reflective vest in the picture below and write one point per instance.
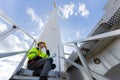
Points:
(32, 53)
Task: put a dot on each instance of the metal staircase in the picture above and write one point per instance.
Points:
(25, 74)
(90, 42)
(22, 73)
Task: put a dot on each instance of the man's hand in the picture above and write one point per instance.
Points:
(46, 47)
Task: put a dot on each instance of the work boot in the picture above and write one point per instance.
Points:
(43, 78)
(53, 66)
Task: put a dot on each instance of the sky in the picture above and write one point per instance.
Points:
(76, 19)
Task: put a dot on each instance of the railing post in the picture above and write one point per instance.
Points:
(83, 61)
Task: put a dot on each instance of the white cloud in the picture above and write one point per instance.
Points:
(77, 34)
(67, 10)
(72, 9)
(82, 10)
(35, 17)
(35, 37)
(69, 39)
(9, 65)
(3, 27)
(13, 43)
(68, 49)
(33, 33)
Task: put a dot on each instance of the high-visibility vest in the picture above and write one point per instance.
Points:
(35, 52)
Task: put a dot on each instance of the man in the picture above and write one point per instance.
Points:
(40, 61)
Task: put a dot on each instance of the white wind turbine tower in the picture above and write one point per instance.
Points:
(51, 35)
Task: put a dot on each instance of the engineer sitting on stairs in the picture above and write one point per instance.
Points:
(40, 61)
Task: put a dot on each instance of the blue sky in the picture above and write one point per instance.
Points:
(17, 10)
(79, 17)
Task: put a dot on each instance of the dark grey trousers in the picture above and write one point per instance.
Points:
(42, 65)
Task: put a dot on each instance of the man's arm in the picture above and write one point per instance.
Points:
(47, 51)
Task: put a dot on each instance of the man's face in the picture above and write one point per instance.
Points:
(41, 45)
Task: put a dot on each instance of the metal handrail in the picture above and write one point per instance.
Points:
(2, 55)
(96, 37)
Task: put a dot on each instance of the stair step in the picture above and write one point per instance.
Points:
(27, 72)
(30, 72)
(53, 73)
(19, 77)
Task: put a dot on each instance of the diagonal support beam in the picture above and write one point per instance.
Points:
(7, 33)
(83, 61)
(3, 33)
(94, 74)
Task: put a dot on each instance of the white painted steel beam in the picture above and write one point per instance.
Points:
(97, 37)
(2, 55)
(7, 33)
(7, 19)
(67, 53)
(3, 33)
(83, 61)
(94, 74)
